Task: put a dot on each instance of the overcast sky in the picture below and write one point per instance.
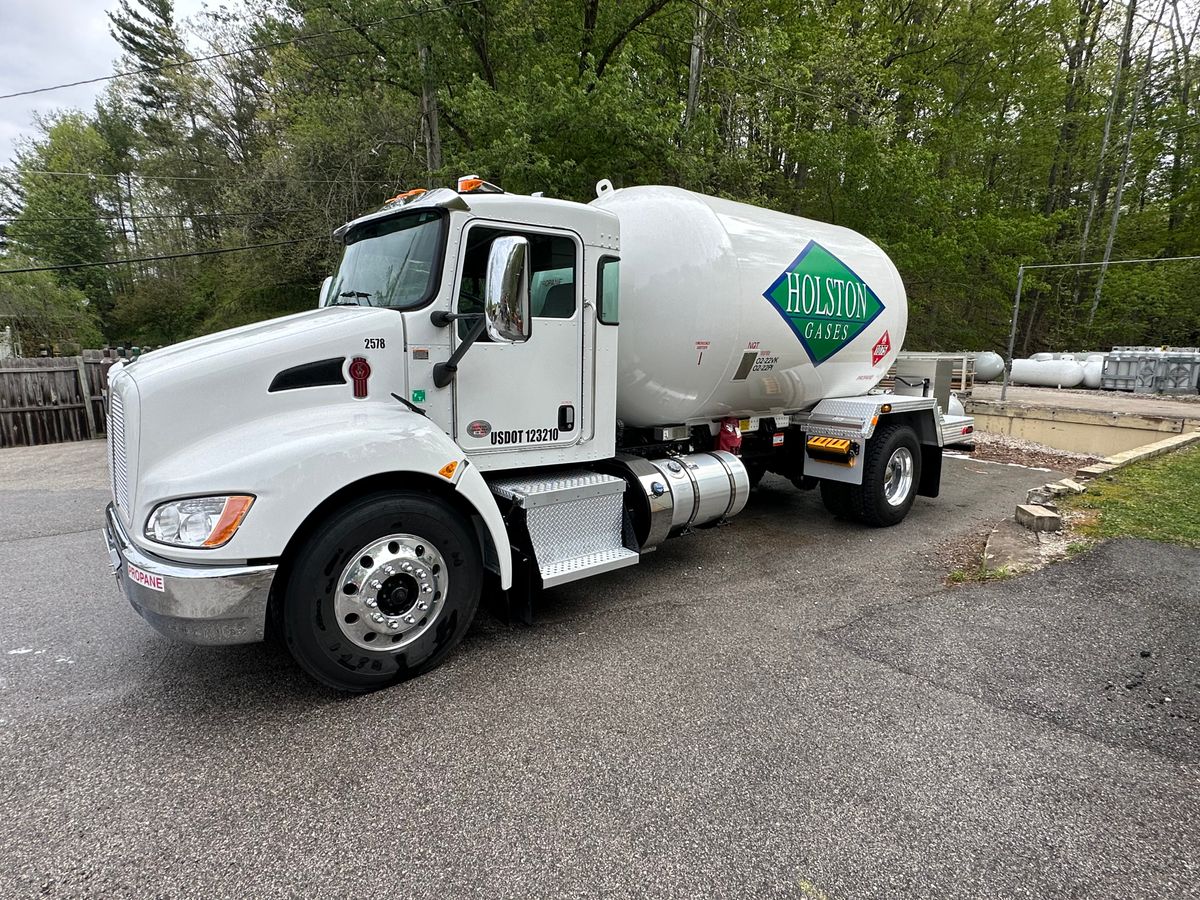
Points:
(44, 42)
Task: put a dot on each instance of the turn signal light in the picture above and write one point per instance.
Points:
(231, 517)
(448, 470)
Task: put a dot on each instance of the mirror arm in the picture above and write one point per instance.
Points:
(440, 318)
(443, 372)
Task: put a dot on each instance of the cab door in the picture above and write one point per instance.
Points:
(526, 396)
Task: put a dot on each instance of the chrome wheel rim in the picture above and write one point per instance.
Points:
(898, 479)
(391, 592)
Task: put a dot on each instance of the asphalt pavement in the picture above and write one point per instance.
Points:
(788, 706)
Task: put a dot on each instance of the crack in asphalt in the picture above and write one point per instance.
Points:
(35, 537)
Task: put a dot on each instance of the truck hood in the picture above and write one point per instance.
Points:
(300, 331)
(179, 396)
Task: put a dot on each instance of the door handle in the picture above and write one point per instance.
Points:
(566, 417)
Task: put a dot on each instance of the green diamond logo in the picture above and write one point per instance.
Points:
(823, 301)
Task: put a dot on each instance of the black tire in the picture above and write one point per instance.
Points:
(836, 497)
(868, 502)
(755, 473)
(308, 622)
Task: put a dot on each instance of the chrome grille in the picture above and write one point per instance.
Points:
(118, 462)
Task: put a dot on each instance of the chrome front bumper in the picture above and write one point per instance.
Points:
(198, 604)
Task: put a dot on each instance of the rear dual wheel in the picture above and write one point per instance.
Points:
(382, 591)
(891, 473)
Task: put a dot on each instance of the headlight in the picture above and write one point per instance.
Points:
(199, 522)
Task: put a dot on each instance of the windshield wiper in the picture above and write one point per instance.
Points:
(357, 295)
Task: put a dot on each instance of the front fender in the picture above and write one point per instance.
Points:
(293, 461)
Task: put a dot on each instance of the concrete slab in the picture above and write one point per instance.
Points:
(1099, 423)
(1012, 547)
(1118, 402)
(1038, 518)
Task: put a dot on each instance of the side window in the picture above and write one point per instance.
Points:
(607, 290)
(552, 275)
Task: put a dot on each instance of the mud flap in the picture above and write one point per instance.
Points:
(931, 471)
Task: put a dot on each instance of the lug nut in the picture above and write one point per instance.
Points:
(409, 619)
(388, 569)
(371, 603)
(427, 590)
(377, 584)
(393, 624)
(422, 574)
(407, 567)
(422, 605)
(376, 617)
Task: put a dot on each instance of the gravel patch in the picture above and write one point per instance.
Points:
(1005, 448)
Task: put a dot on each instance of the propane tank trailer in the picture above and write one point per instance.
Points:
(507, 389)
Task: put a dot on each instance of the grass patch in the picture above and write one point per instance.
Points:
(1156, 500)
(981, 573)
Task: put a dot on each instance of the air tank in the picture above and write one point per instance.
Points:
(732, 310)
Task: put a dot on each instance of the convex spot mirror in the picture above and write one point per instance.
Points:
(506, 291)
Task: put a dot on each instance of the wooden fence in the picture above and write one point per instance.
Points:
(51, 399)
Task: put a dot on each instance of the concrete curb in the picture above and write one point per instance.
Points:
(1137, 454)
(1040, 500)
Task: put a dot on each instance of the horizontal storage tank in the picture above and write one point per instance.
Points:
(728, 309)
(1061, 373)
(988, 366)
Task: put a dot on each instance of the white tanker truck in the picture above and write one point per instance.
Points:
(511, 388)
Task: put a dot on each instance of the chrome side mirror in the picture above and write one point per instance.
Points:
(506, 291)
(323, 296)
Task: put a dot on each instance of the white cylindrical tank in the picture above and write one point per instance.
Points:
(1093, 369)
(988, 365)
(732, 310)
(1063, 373)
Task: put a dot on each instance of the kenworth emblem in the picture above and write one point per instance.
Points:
(823, 301)
(360, 371)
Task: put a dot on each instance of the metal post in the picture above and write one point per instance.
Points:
(1012, 334)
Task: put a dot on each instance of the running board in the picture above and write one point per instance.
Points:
(586, 566)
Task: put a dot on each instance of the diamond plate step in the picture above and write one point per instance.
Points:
(586, 566)
(532, 490)
(574, 521)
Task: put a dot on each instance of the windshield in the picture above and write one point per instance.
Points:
(392, 262)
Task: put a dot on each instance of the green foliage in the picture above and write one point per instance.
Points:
(965, 138)
(1154, 500)
(44, 313)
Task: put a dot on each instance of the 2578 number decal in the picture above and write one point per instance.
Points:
(374, 344)
(525, 436)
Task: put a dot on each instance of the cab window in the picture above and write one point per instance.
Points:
(552, 275)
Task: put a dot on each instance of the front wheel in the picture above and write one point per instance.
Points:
(382, 591)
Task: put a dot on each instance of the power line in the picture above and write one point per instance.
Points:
(136, 216)
(221, 178)
(1111, 262)
(139, 259)
(150, 70)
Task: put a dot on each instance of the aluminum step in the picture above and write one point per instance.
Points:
(531, 490)
(574, 520)
(586, 566)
